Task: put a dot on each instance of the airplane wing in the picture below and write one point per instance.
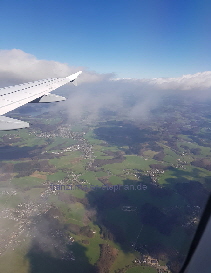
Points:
(12, 97)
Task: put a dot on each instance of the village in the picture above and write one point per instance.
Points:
(149, 261)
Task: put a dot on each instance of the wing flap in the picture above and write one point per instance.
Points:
(11, 123)
(49, 98)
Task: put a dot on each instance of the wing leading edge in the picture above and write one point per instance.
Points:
(15, 96)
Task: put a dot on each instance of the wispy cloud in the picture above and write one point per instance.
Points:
(133, 98)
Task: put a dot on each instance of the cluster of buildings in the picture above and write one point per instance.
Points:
(8, 192)
(149, 261)
(153, 174)
(181, 164)
(21, 215)
(65, 132)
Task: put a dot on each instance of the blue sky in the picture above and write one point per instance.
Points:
(133, 38)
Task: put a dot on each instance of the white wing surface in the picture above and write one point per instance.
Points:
(15, 96)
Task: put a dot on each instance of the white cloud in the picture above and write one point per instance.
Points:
(200, 80)
(22, 65)
(134, 98)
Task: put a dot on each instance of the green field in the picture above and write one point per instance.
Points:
(161, 216)
(142, 269)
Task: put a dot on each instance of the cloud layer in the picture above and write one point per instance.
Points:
(133, 98)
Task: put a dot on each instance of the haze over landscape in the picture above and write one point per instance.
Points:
(139, 117)
(97, 91)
